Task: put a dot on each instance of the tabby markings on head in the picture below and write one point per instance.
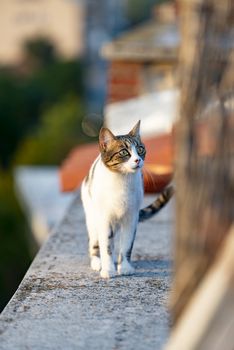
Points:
(119, 150)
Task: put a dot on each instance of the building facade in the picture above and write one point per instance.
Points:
(61, 21)
(142, 60)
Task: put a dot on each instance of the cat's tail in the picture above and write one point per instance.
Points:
(159, 203)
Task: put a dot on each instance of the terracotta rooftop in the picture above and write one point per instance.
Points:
(157, 171)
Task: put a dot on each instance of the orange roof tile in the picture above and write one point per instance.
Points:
(157, 170)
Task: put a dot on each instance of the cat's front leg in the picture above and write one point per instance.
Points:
(94, 252)
(106, 245)
(126, 244)
(124, 266)
(95, 261)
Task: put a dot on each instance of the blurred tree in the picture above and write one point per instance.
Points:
(13, 108)
(48, 85)
(23, 100)
(59, 131)
(39, 52)
(139, 11)
(14, 253)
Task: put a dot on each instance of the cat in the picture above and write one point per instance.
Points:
(111, 194)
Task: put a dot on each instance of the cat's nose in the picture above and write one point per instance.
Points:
(137, 160)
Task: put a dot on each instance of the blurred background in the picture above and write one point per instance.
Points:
(54, 84)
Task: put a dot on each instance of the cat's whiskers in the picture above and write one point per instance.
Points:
(151, 178)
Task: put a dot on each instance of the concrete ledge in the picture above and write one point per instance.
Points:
(62, 304)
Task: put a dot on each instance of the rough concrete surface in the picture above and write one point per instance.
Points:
(62, 304)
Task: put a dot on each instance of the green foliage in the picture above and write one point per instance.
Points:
(48, 85)
(40, 51)
(139, 11)
(13, 112)
(24, 99)
(14, 253)
(59, 131)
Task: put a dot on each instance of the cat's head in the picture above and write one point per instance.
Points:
(123, 153)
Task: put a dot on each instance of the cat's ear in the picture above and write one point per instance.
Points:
(105, 138)
(135, 130)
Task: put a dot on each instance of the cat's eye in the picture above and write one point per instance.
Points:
(140, 150)
(123, 152)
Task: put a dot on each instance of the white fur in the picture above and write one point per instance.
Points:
(95, 263)
(113, 199)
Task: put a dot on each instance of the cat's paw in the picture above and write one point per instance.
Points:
(125, 269)
(108, 273)
(95, 263)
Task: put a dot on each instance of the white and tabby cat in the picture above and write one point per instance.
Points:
(112, 193)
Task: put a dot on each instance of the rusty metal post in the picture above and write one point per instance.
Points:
(205, 142)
